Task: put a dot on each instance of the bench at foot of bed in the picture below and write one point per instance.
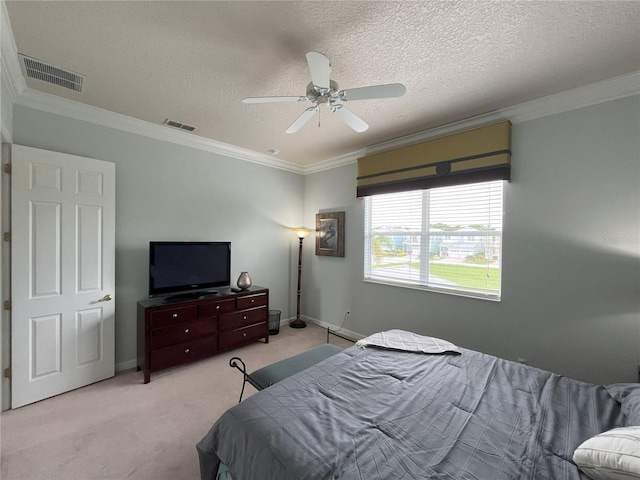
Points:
(275, 372)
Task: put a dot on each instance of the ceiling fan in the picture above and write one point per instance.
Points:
(324, 91)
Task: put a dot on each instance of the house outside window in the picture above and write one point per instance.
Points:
(443, 239)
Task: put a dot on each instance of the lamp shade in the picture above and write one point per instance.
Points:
(301, 232)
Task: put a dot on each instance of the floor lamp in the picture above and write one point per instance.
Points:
(301, 233)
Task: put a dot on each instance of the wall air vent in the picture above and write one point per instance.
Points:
(181, 126)
(32, 68)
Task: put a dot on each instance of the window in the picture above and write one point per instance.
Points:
(444, 239)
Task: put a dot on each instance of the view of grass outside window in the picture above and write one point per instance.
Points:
(444, 239)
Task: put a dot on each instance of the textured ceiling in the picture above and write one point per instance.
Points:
(194, 61)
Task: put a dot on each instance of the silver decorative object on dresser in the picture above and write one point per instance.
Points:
(244, 281)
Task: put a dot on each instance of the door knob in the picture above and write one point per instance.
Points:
(106, 298)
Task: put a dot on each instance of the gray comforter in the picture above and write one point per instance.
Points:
(378, 414)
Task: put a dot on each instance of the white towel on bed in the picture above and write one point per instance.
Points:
(408, 342)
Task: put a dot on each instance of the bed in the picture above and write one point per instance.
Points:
(383, 412)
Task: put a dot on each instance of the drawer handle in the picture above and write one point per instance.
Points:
(253, 300)
(244, 317)
(186, 351)
(186, 330)
(217, 307)
(244, 334)
(175, 315)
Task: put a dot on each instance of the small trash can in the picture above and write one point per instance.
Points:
(274, 322)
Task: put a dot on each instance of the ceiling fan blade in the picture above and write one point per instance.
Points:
(302, 119)
(320, 69)
(375, 91)
(273, 99)
(350, 118)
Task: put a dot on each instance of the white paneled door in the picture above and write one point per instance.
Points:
(62, 273)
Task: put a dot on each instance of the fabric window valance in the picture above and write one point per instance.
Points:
(478, 155)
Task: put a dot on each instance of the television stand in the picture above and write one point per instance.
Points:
(174, 331)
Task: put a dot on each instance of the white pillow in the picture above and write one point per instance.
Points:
(612, 455)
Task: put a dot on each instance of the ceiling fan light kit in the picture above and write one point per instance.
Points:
(324, 91)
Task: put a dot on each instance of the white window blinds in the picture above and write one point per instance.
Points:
(446, 239)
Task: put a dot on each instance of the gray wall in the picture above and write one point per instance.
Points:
(166, 192)
(571, 276)
(571, 259)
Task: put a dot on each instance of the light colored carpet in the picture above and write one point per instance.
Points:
(123, 429)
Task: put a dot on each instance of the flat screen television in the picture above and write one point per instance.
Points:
(179, 268)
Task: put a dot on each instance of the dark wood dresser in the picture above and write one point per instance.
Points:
(176, 331)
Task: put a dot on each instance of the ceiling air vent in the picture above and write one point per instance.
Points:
(32, 68)
(181, 126)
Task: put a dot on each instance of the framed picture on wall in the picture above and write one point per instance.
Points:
(330, 234)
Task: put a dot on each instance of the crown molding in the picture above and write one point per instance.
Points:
(614, 88)
(335, 162)
(87, 113)
(11, 73)
(20, 94)
(12, 79)
(587, 95)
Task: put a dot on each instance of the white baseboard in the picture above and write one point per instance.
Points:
(335, 328)
(127, 365)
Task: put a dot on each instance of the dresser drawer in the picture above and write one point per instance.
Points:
(210, 308)
(243, 318)
(183, 352)
(250, 301)
(165, 336)
(243, 335)
(169, 316)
